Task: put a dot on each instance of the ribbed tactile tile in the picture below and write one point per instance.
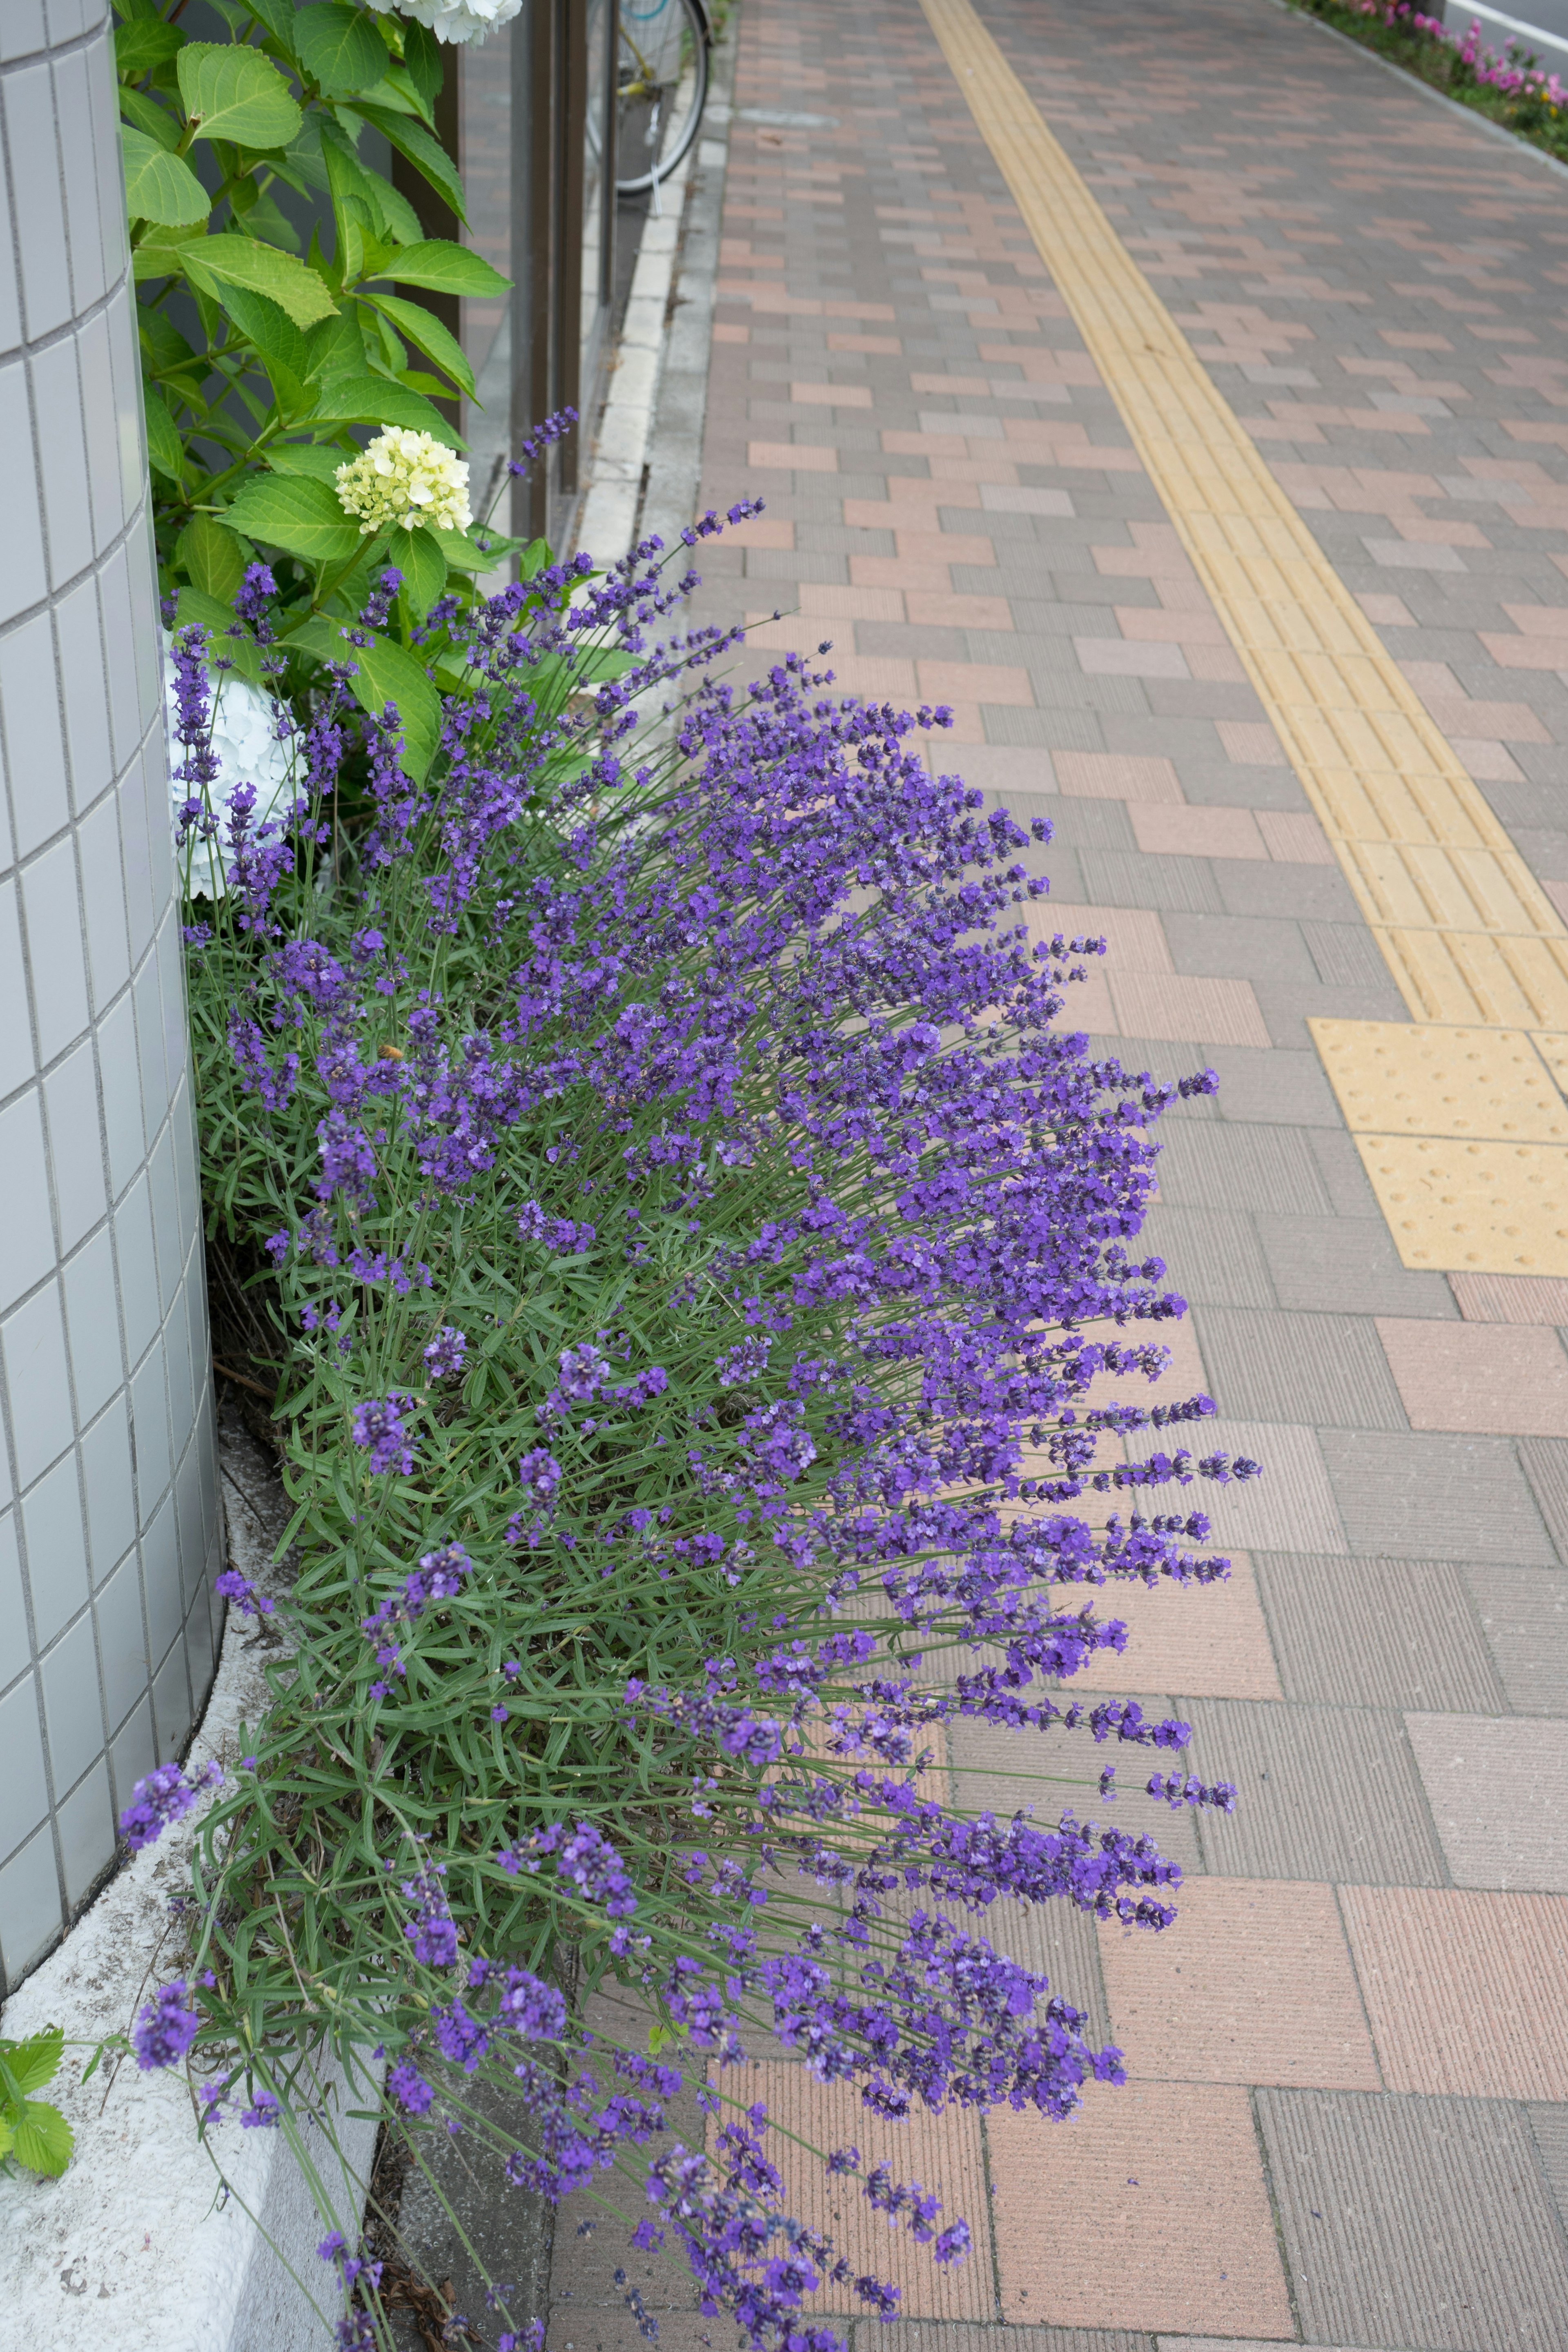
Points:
(1499, 1792)
(942, 2152)
(1467, 1992)
(1322, 1792)
(1496, 1379)
(905, 2336)
(1415, 2223)
(1252, 1984)
(1378, 1633)
(1147, 2211)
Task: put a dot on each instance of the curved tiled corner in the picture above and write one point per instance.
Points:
(109, 1527)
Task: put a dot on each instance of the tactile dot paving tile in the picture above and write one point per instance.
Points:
(1478, 1207)
(1415, 2221)
(1148, 2209)
(1467, 1992)
(1416, 1079)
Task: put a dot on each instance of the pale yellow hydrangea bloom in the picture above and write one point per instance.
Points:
(406, 477)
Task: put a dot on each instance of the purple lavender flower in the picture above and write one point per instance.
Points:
(165, 2028)
(242, 1593)
(432, 1931)
(446, 1352)
(163, 1796)
(262, 2115)
(378, 1424)
(409, 2088)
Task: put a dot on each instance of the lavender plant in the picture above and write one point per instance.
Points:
(702, 1246)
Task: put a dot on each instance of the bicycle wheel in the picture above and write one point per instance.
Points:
(661, 88)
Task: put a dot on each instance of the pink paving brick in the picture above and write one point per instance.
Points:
(1251, 743)
(945, 547)
(1197, 1641)
(761, 531)
(1117, 775)
(941, 610)
(1172, 624)
(1387, 611)
(1194, 1011)
(950, 681)
(882, 346)
(1147, 2211)
(1478, 1377)
(895, 572)
(942, 2152)
(1294, 838)
(832, 602)
(1253, 1984)
(797, 457)
(1490, 763)
(1134, 939)
(1197, 832)
(1468, 1993)
(1510, 1298)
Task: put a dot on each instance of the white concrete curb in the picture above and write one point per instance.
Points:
(145, 2242)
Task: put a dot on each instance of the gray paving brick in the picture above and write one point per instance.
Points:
(1339, 1164)
(1379, 1632)
(1422, 1497)
(1349, 1263)
(1345, 953)
(1302, 893)
(1415, 2221)
(1523, 1613)
(1212, 1259)
(1273, 1085)
(1229, 1165)
(1328, 1369)
(998, 1771)
(1549, 2125)
(1545, 1461)
(1322, 1792)
(1288, 1007)
(1116, 878)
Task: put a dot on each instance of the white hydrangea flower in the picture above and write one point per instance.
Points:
(246, 745)
(405, 478)
(459, 20)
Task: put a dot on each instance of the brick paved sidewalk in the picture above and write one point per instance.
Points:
(1347, 2116)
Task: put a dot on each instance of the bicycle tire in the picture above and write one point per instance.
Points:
(689, 18)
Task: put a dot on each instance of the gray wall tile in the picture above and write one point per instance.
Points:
(125, 367)
(139, 1316)
(51, 915)
(172, 1702)
(56, 1562)
(132, 1753)
(29, 1905)
(22, 32)
(87, 700)
(103, 900)
(110, 1488)
(142, 901)
(21, 1764)
(86, 1832)
(14, 1643)
(164, 1195)
(38, 1383)
(73, 1712)
(120, 1078)
(62, 461)
(74, 115)
(36, 184)
(22, 572)
(92, 1326)
(122, 1640)
(76, 1145)
(35, 742)
(119, 652)
(150, 1429)
(16, 1030)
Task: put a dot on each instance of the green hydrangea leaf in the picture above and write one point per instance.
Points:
(236, 261)
(233, 92)
(160, 186)
(445, 269)
(385, 673)
(294, 513)
(425, 330)
(338, 48)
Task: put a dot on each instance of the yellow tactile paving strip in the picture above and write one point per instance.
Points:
(1471, 939)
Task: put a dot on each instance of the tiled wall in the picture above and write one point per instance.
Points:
(109, 1524)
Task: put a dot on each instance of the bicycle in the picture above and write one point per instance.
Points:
(661, 88)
